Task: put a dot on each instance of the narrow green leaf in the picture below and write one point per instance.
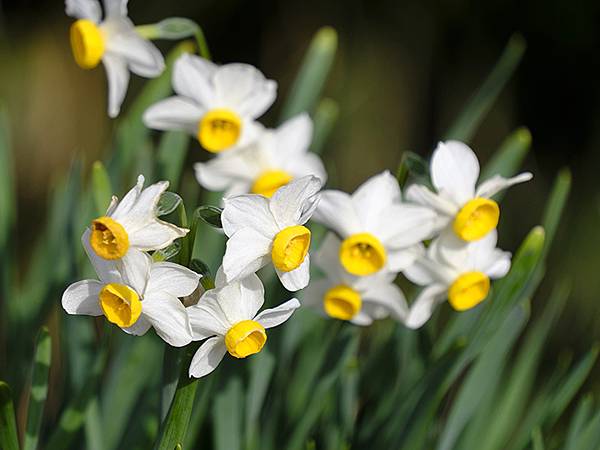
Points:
(199, 413)
(412, 166)
(311, 78)
(537, 439)
(578, 421)
(468, 121)
(590, 435)
(556, 204)
(7, 192)
(172, 151)
(211, 215)
(39, 389)
(228, 416)
(510, 156)
(168, 202)
(8, 426)
(261, 371)
(200, 267)
(101, 188)
(325, 118)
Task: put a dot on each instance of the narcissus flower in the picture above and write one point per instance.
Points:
(347, 297)
(453, 270)
(273, 160)
(459, 203)
(227, 316)
(131, 227)
(377, 229)
(146, 296)
(218, 104)
(271, 230)
(114, 42)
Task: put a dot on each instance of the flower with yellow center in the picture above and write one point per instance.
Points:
(131, 227)
(227, 317)
(453, 270)
(218, 105)
(467, 209)
(274, 159)
(114, 42)
(358, 299)
(264, 231)
(378, 229)
(146, 295)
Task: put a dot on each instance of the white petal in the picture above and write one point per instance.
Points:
(373, 198)
(294, 203)
(115, 8)
(314, 293)
(117, 74)
(497, 183)
(246, 252)
(168, 317)
(221, 172)
(273, 317)
(140, 327)
(390, 297)
(173, 279)
(135, 269)
(454, 170)
(207, 318)
(449, 249)
(114, 202)
(156, 235)
(296, 279)
(423, 196)
(423, 272)
(207, 357)
(362, 319)
(245, 89)
(82, 298)
(174, 113)
(192, 78)
(422, 308)
(105, 269)
(129, 200)
(307, 164)
(500, 267)
(327, 257)
(143, 210)
(398, 260)
(241, 300)
(403, 225)
(248, 211)
(336, 211)
(84, 9)
(294, 136)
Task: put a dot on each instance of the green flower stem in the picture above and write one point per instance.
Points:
(175, 28)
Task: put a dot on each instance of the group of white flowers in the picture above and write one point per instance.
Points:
(442, 237)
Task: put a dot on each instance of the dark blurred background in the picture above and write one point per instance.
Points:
(404, 71)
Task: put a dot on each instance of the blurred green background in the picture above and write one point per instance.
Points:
(404, 71)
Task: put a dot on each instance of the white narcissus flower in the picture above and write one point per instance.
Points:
(453, 270)
(459, 202)
(377, 229)
(114, 42)
(273, 160)
(263, 230)
(146, 296)
(218, 104)
(227, 316)
(131, 227)
(347, 297)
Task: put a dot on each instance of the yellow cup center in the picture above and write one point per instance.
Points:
(219, 129)
(268, 182)
(476, 219)
(87, 43)
(342, 302)
(245, 338)
(290, 247)
(108, 238)
(121, 304)
(468, 290)
(362, 254)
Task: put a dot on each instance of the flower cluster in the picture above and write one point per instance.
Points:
(441, 237)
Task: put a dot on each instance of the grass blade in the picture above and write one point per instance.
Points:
(325, 118)
(311, 78)
(228, 417)
(39, 389)
(578, 421)
(8, 425)
(509, 157)
(261, 371)
(101, 188)
(468, 121)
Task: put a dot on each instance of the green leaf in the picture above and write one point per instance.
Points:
(412, 166)
(468, 121)
(228, 416)
(578, 421)
(537, 439)
(309, 82)
(39, 389)
(200, 267)
(325, 118)
(8, 425)
(172, 151)
(590, 435)
(556, 204)
(175, 28)
(261, 371)
(7, 192)
(510, 156)
(168, 202)
(101, 188)
(211, 215)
